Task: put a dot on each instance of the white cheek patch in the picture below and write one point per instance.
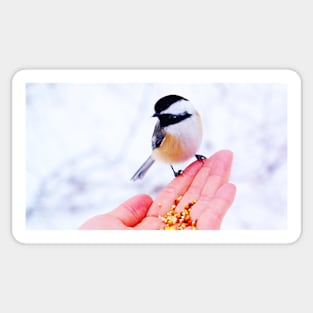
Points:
(180, 107)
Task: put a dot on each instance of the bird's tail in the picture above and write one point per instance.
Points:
(143, 169)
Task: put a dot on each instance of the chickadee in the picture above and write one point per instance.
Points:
(177, 134)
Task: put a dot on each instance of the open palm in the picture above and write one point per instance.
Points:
(205, 181)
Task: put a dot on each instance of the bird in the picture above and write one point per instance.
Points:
(177, 134)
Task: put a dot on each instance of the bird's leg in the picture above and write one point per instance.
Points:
(179, 172)
(200, 157)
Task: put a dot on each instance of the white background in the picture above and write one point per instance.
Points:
(239, 34)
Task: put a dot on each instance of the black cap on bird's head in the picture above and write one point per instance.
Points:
(172, 109)
(165, 102)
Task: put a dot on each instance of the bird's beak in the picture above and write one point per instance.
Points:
(156, 115)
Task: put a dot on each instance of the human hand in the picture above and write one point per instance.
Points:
(205, 181)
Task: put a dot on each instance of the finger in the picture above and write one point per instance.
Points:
(151, 223)
(132, 211)
(174, 189)
(101, 222)
(219, 174)
(215, 209)
(213, 174)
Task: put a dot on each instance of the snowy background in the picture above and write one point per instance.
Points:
(85, 141)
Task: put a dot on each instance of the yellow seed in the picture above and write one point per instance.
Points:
(178, 220)
(173, 227)
(178, 200)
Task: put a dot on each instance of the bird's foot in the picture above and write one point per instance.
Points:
(200, 157)
(179, 172)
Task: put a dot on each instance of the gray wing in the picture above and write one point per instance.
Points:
(157, 136)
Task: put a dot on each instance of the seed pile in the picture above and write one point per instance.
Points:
(174, 220)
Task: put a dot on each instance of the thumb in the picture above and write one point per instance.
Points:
(133, 210)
